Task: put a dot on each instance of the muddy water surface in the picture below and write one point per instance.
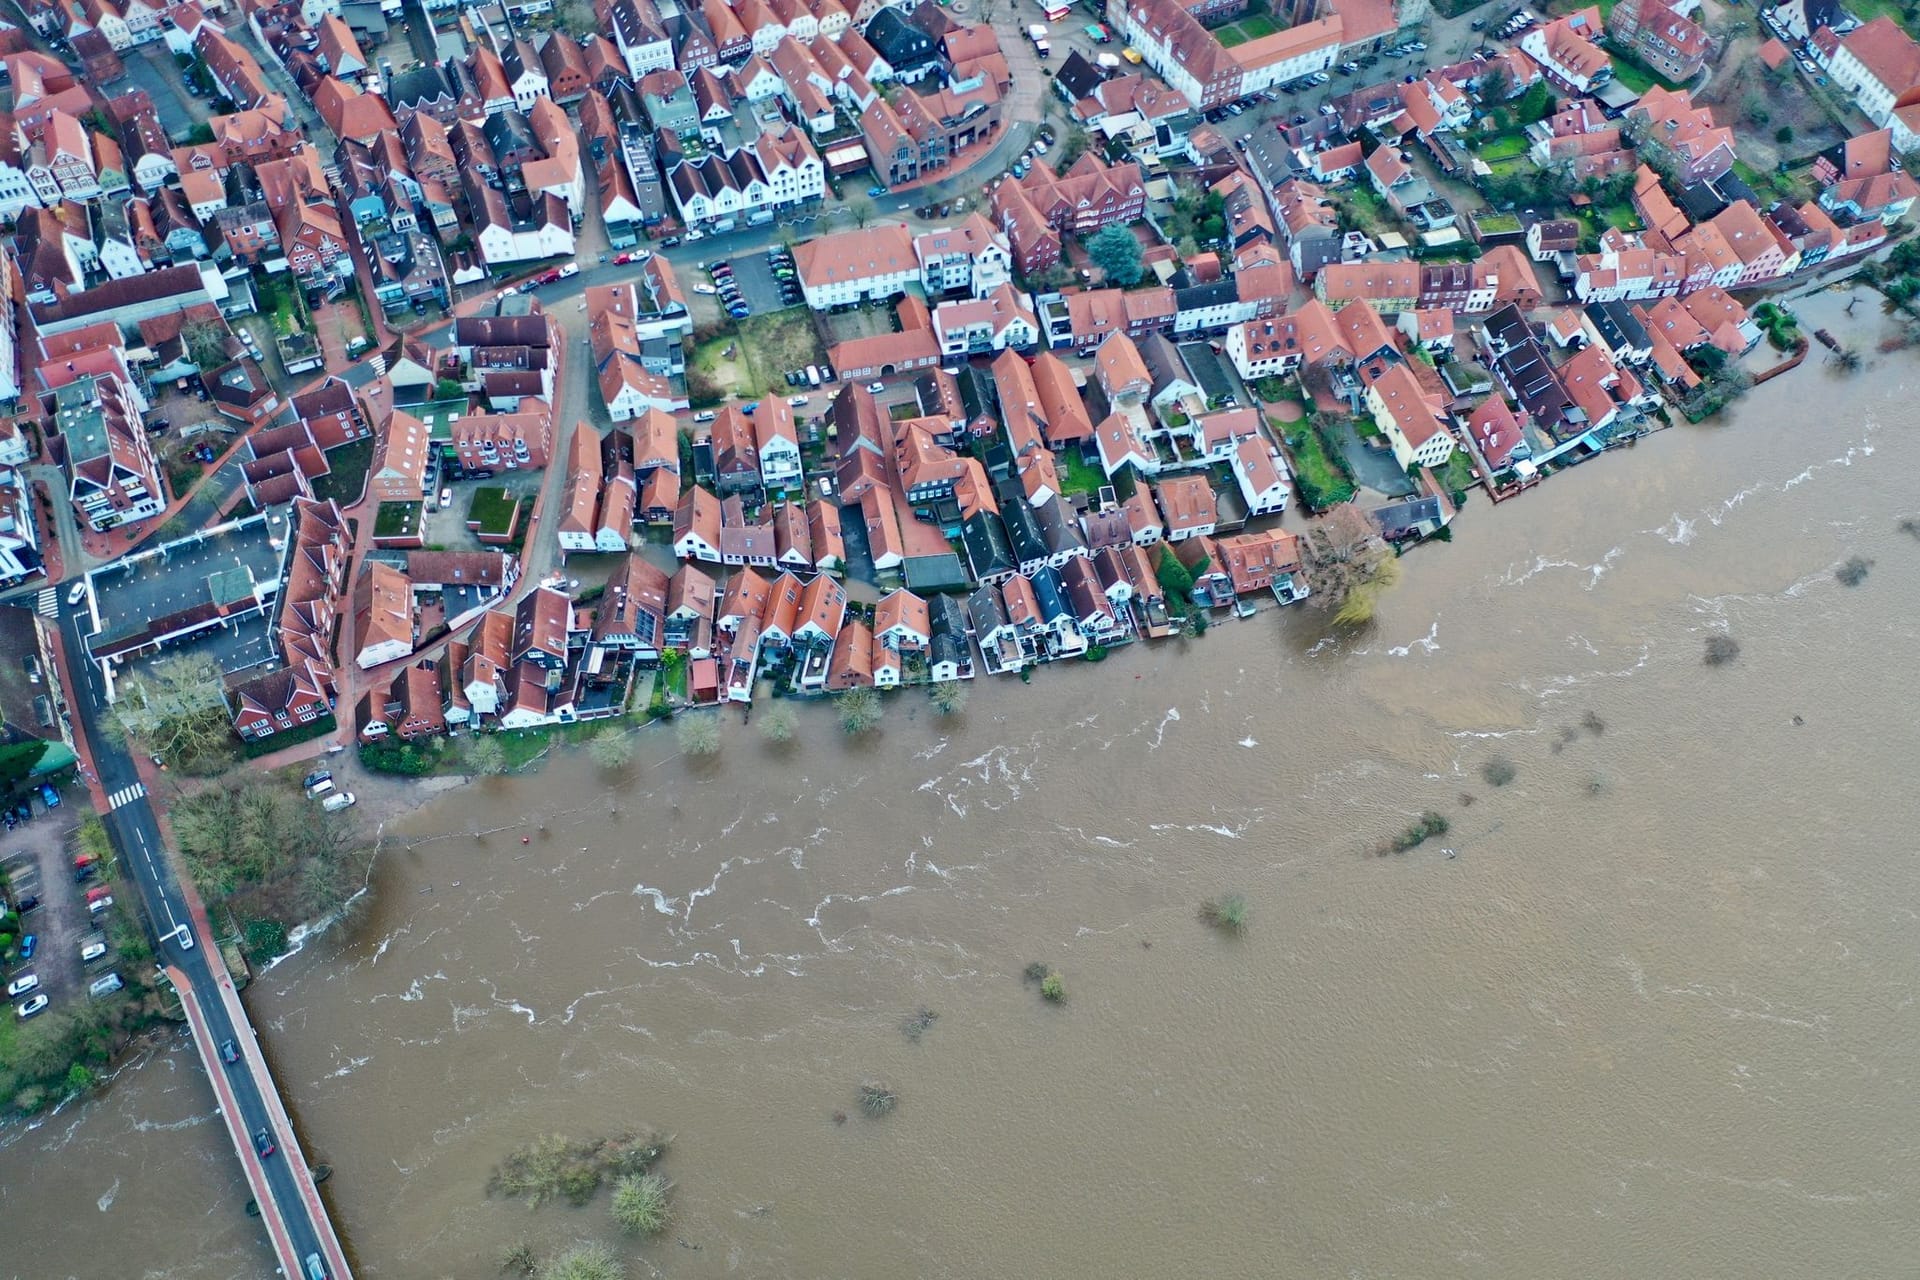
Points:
(1654, 1016)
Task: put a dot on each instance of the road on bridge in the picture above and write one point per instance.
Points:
(290, 1203)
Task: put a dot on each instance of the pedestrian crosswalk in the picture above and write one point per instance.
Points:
(47, 605)
(126, 795)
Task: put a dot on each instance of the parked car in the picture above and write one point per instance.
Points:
(707, 289)
(316, 777)
(29, 903)
(28, 943)
(749, 407)
(446, 498)
(263, 1143)
(92, 951)
(796, 401)
(876, 387)
(320, 788)
(21, 985)
(876, 191)
(105, 986)
(706, 416)
(77, 592)
(33, 1006)
(335, 803)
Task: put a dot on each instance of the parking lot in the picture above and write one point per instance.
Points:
(39, 868)
(760, 287)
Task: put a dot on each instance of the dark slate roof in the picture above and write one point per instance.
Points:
(987, 610)
(423, 83)
(1023, 533)
(1051, 595)
(1077, 77)
(934, 573)
(1397, 519)
(1618, 326)
(946, 616)
(988, 550)
(902, 44)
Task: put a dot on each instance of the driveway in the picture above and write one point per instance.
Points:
(1372, 469)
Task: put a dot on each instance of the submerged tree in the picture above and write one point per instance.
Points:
(485, 755)
(611, 748)
(1352, 565)
(698, 735)
(860, 711)
(778, 723)
(949, 697)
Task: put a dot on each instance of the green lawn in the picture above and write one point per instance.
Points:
(1367, 427)
(1457, 475)
(1321, 484)
(1076, 475)
(494, 511)
(776, 341)
(1255, 26)
(1503, 147)
(348, 476)
(397, 519)
(1635, 74)
(1868, 10)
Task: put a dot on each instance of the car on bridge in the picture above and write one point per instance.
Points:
(263, 1143)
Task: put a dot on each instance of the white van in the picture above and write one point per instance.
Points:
(319, 788)
(335, 803)
(105, 986)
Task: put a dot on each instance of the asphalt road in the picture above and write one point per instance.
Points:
(136, 834)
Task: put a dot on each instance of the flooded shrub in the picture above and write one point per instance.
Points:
(918, 1023)
(1499, 771)
(1036, 972)
(640, 1203)
(877, 1099)
(1853, 572)
(1228, 914)
(1053, 989)
(1721, 649)
(1593, 724)
(553, 1166)
(517, 1259)
(586, 1260)
(1429, 825)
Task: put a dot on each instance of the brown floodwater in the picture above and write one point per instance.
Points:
(1652, 1017)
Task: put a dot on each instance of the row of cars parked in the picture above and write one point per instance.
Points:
(93, 948)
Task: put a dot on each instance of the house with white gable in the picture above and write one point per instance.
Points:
(972, 257)
(975, 326)
(1261, 476)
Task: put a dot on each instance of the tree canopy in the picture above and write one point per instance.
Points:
(1115, 251)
